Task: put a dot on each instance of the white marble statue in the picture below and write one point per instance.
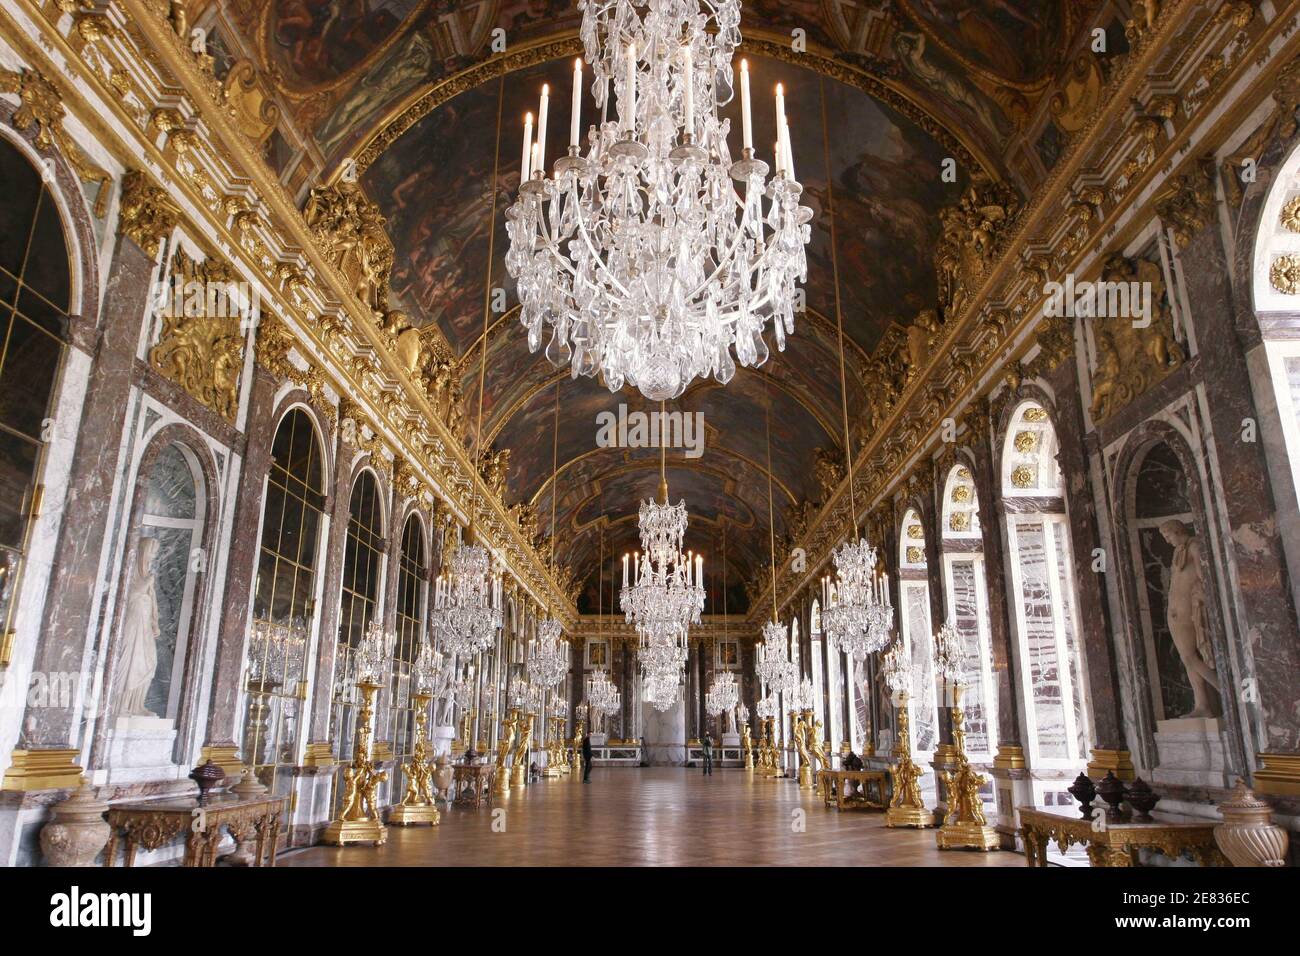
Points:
(1186, 616)
(140, 632)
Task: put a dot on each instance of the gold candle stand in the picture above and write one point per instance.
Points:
(501, 779)
(418, 807)
(906, 808)
(523, 750)
(965, 826)
(358, 821)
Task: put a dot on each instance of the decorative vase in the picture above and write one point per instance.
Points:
(443, 776)
(249, 785)
(1142, 799)
(76, 831)
(1085, 791)
(207, 776)
(1111, 789)
(1247, 836)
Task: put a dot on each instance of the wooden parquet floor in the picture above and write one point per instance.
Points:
(657, 816)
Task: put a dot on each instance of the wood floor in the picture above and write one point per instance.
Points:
(658, 816)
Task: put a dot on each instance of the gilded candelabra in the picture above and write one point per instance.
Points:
(747, 742)
(965, 825)
(816, 750)
(767, 763)
(577, 749)
(800, 731)
(501, 780)
(523, 749)
(358, 821)
(906, 809)
(418, 803)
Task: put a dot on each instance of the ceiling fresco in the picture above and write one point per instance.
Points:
(408, 86)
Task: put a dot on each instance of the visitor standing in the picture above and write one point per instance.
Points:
(586, 758)
(707, 743)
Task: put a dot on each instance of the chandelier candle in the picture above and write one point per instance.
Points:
(747, 121)
(655, 259)
(525, 161)
(575, 113)
(542, 110)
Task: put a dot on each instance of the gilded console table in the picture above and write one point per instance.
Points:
(154, 823)
(834, 785)
(1116, 844)
(473, 783)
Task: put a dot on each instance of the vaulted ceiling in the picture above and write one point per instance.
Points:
(413, 93)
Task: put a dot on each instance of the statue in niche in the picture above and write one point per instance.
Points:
(140, 632)
(1186, 616)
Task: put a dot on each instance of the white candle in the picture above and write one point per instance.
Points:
(541, 129)
(779, 155)
(690, 91)
(780, 127)
(575, 112)
(699, 569)
(785, 139)
(629, 87)
(625, 570)
(528, 148)
(747, 123)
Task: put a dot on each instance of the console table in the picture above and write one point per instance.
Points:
(472, 783)
(154, 823)
(834, 789)
(1117, 843)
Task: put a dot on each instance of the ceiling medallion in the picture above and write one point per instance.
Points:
(655, 254)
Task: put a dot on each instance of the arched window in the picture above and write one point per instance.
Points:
(963, 575)
(363, 564)
(35, 295)
(172, 516)
(918, 635)
(412, 578)
(1042, 573)
(284, 600)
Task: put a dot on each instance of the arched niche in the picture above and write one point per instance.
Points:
(1029, 466)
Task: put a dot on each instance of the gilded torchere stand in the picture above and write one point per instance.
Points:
(523, 747)
(800, 731)
(965, 826)
(577, 750)
(748, 744)
(418, 805)
(501, 780)
(906, 808)
(358, 821)
(767, 752)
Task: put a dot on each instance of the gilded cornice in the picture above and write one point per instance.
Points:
(1058, 231)
(146, 95)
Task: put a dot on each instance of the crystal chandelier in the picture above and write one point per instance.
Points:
(722, 695)
(431, 673)
(655, 254)
(767, 708)
(603, 695)
(466, 612)
(664, 593)
(949, 655)
(662, 689)
(896, 669)
(373, 657)
(772, 663)
(857, 615)
(548, 656)
(276, 652)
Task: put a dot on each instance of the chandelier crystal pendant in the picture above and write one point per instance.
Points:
(655, 255)
(467, 602)
(857, 615)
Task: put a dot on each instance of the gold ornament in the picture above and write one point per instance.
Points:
(418, 806)
(359, 821)
(906, 808)
(965, 826)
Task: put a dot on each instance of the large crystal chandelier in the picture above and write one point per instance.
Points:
(466, 611)
(857, 615)
(548, 656)
(662, 688)
(722, 695)
(602, 695)
(664, 592)
(772, 662)
(655, 254)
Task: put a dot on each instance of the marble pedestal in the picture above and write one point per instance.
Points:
(140, 749)
(1191, 752)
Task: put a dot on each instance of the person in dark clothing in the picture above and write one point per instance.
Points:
(586, 758)
(707, 744)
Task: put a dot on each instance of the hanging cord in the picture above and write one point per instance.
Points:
(839, 319)
(487, 295)
(555, 488)
(771, 515)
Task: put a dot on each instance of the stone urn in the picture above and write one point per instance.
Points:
(1248, 836)
(443, 775)
(76, 831)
